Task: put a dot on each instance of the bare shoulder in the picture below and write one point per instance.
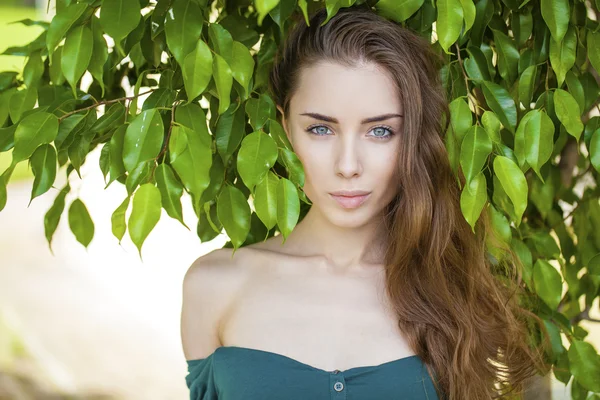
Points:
(209, 286)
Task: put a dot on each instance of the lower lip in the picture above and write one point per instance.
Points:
(351, 202)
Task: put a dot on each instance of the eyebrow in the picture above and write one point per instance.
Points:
(364, 121)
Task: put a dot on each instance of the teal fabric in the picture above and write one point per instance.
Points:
(240, 373)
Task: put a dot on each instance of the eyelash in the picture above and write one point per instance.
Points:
(389, 128)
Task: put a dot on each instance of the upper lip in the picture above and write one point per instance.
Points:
(350, 193)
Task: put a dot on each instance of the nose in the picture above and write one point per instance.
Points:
(347, 157)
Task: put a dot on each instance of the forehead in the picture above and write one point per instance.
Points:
(345, 92)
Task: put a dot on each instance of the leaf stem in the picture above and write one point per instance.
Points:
(101, 103)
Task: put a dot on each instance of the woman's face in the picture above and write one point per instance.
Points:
(338, 147)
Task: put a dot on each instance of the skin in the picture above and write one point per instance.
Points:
(319, 296)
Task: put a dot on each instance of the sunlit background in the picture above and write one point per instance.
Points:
(96, 323)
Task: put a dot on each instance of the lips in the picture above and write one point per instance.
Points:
(352, 200)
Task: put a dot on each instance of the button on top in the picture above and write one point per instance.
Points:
(339, 386)
(336, 371)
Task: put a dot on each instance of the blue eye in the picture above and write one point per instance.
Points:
(381, 128)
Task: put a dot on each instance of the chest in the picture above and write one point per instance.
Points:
(327, 322)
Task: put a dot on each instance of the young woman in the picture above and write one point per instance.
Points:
(382, 291)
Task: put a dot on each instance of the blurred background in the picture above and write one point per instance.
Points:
(86, 324)
(96, 323)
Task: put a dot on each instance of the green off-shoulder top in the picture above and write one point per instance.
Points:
(240, 373)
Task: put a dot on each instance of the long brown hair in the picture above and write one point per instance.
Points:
(459, 308)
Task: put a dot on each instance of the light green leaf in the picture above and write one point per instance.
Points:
(263, 7)
(61, 23)
(191, 156)
(170, 191)
(258, 154)
(183, 27)
(469, 13)
(242, 66)
(76, 54)
(119, 17)
(514, 184)
(116, 166)
(556, 15)
(52, 216)
(461, 118)
(265, 200)
(117, 219)
(288, 207)
(293, 165)
(547, 282)
(197, 70)
(508, 56)
(34, 69)
(563, 54)
(398, 10)
(143, 139)
(260, 110)
(81, 223)
(593, 46)
(492, 126)
(145, 214)
(223, 80)
(221, 41)
(35, 130)
(43, 164)
(230, 131)
(539, 134)
(449, 22)
(585, 364)
(522, 25)
(501, 103)
(234, 213)
(568, 112)
(475, 149)
(473, 199)
(3, 194)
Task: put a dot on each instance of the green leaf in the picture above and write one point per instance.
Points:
(99, 53)
(293, 165)
(263, 7)
(556, 15)
(547, 282)
(527, 85)
(258, 153)
(576, 89)
(234, 213)
(260, 110)
(477, 65)
(35, 130)
(183, 27)
(197, 70)
(568, 112)
(76, 54)
(595, 149)
(492, 126)
(119, 17)
(170, 191)
(117, 219)
(191, 157)
(501, 103)
(34, 69)
(593, 266)
(145, 214)
(143, 139)
(593, 45)
(288, 207)
(138, 176)
(111, 119)
(223, 80)
(473, 199)
(21, 101)
(585, 364)
(522, 25)
(265, 200)
(61, 23)
(3, 194)
(81, 223)
(221, 41)
(52, 216)
(563, 54)
(469, 13)
(539, 134)
(398, 10)
(514, 184)
(508, 56)
(449, 22)
(242, 66)
(43, 164)
(230, 131)
(475, 149)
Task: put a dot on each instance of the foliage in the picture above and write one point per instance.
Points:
(521, 78)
